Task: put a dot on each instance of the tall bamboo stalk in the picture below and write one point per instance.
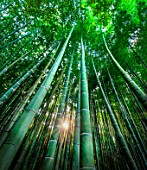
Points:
(17, 134)
(76, 147)
(136, 89)
(51, 151)
(86, 142)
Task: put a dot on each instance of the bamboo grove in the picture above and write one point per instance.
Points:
(73, 85)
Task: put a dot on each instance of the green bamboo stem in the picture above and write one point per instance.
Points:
(67, 151)
(33, 164)
(6, 26)
(137, 105)
(8, 107)
(96, 143)
(76, 147)
(97, 132)
(70, 139)
(51, 151)
(64, 158)
(17, 39)
(86, 142)
(33, 139)
(7, 6)
(65, 133)
(11, 100)
(48, 120)
(101, 136)
(132, 122)
(25, 146)
(38, 81)
(12, 64)
(59, 152)
(47, 132)
(71, 132)
(26, 151)
(17, 84)
(136, 89)
(2, 39)
(17, 134)
(138, 78)
(119, 135)
(137, 54)
(63, 136)
(8, 114)
(11, 59)
(61, 163)
(34, 145)
(107, 149)
(142, 154)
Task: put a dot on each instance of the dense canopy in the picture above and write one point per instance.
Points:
(73, 84)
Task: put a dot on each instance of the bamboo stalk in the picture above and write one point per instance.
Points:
(86, 142)
(51, 151)
(139, 93)
(119, 135)
(17, 134)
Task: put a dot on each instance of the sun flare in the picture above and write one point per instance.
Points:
(65, 125)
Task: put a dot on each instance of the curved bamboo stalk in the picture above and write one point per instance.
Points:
(18, 132)
(137, 54)
(139, 93)
(86, 142)
(138, 146)
(144, 86)
(119, 135)
(131, 119)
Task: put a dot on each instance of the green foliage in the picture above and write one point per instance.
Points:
(48, 23)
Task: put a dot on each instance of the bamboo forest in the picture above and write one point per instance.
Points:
(73, 85)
